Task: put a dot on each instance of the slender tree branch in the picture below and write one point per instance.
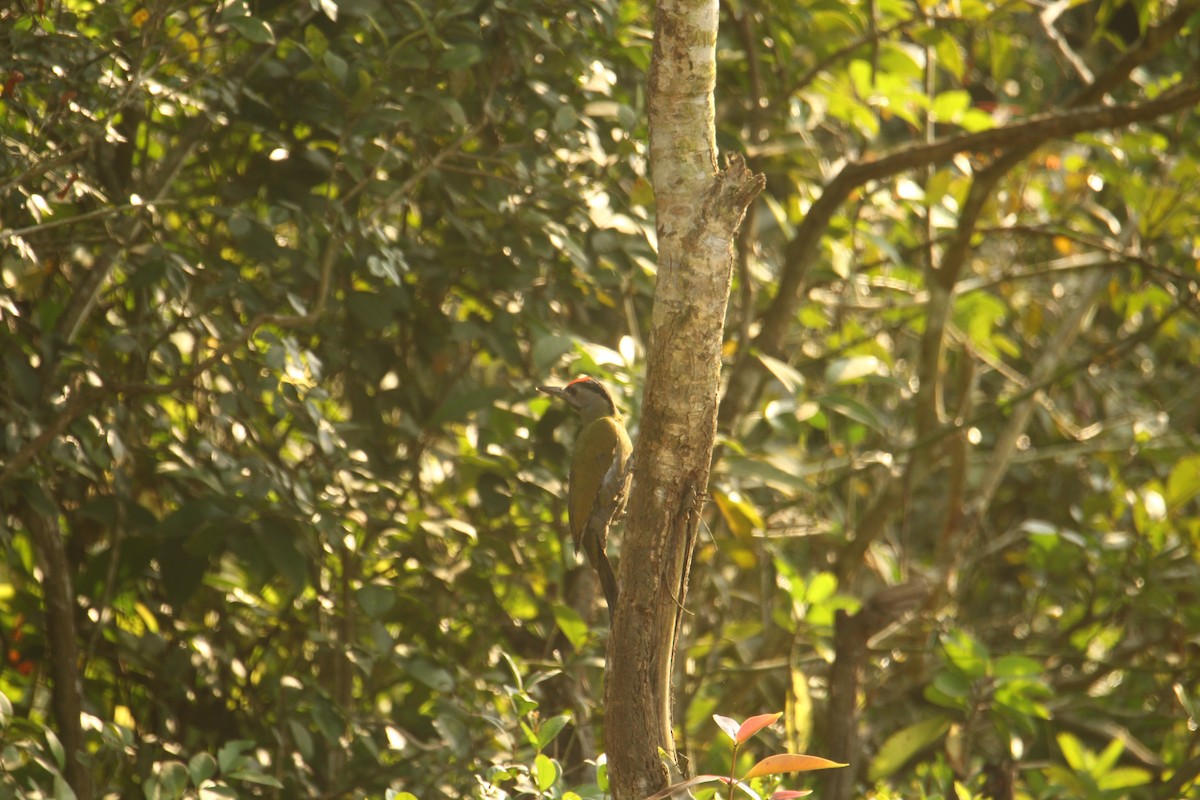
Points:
(1016, 140)
(81, 399)
(872, 37)
(39, 168)
(84, 298)
(1047, 365)
(917, 466)
(1047, 18)
(87, 216)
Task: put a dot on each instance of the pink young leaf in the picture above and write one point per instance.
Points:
(756, 724)
(791, 794)
(730, 726)
(787, 762)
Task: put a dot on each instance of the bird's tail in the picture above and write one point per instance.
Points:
(608, 580)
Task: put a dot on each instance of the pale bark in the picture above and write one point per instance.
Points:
(699, 209)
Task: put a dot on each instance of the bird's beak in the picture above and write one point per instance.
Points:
(556, 391)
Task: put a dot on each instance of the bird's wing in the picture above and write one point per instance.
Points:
(594, 449)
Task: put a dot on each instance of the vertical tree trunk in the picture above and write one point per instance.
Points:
(699, 209)
(66, 686)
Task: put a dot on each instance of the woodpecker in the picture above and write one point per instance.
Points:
(602, 444)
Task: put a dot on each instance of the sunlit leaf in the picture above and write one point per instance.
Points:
(965, 652)
(1121, 779)
(786, 762)
(1073, 751)
(1183, 485)
(785, 373)
(56, 749)
(545, 772)
(741, 517)
(848, 370)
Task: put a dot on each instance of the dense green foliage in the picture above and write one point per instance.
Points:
(278, 280)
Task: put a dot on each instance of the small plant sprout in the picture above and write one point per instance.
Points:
(777, 764)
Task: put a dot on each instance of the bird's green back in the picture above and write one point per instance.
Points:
(598, 440)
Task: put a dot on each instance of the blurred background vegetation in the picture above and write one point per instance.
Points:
(278, 280)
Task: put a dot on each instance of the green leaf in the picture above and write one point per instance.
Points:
(549, 729)
(1124, 778)
(1073, 752)
(329, 722)
(545, 772)
(315, 42)
(62, 789)
(460, 405)
(821, 587)
(965, 652)
(201, 767)
(978, 314)
(1006, 667)
(256, 777)
(370, 310)
(336, 65)
(950, 55)
(376, 599)
(565, 118)
(949, 106)
(548, 349)
(1108, 757)
(1183, 485)
(431, 675)
(170, 781)
(572, 625)
(253, 29)
(56, 748)
(460, 57)
(782, 472)
(903, 745)
(856, 410)
(949, 690)
(231, 756)
(524, 705)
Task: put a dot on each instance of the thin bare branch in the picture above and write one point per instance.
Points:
(1014, 143)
